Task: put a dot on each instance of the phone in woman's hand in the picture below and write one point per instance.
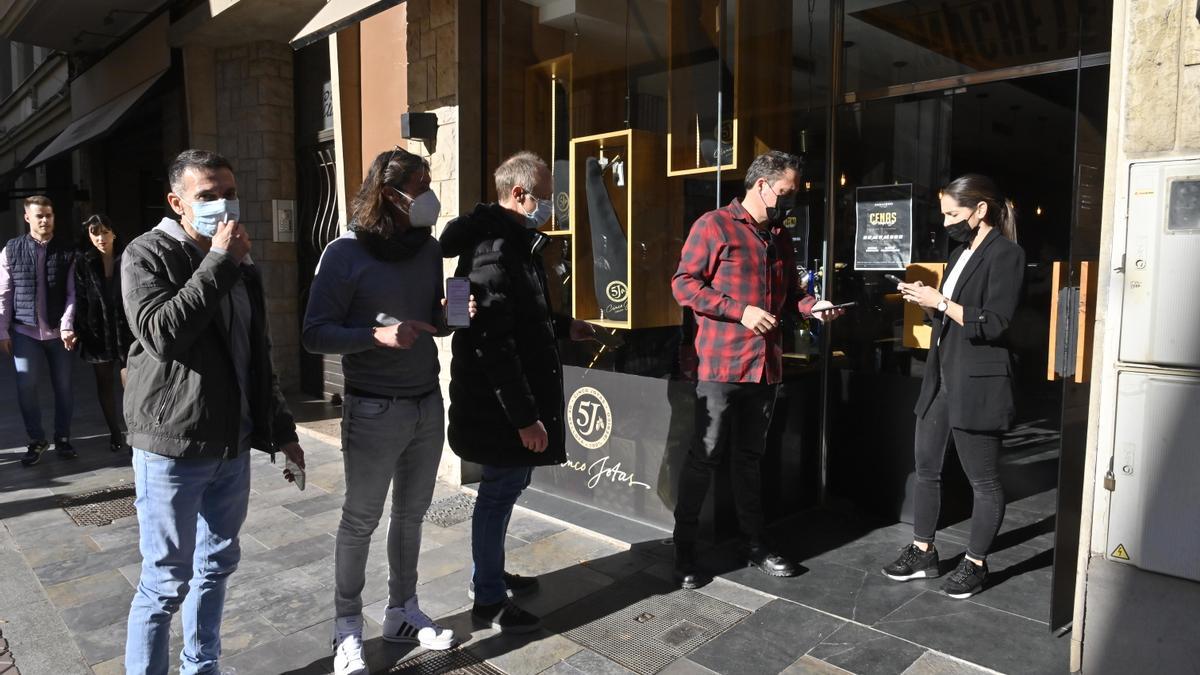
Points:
(893, 278)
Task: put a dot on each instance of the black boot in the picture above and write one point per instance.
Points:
(687, 573)
(758, 555)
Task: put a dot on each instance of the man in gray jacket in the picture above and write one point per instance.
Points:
(201, 393)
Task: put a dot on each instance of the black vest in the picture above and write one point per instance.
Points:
(21, 255)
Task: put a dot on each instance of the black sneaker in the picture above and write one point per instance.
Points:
(515, 584)
(64, 448)
(913, 563)
(505, 617)
(33, 452)
(967, 580)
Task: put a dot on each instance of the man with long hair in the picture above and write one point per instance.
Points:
(377, 301)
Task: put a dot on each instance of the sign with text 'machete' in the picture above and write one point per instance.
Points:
(883, 236)
(626, 438)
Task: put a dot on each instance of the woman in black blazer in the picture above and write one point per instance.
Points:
(967, 391)
(100, 324)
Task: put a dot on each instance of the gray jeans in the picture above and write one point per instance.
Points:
(385, 442)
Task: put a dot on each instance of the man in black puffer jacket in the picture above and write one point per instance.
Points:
(506, 391)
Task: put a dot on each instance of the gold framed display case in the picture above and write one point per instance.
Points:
(720, 115)
(548, 128)
(626, 245)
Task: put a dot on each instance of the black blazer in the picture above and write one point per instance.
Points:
(974, 357)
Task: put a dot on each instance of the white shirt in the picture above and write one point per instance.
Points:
(952, 278)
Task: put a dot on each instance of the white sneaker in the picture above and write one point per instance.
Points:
(410, 624)
(347, 646)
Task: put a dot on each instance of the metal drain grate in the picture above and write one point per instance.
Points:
(649, 635)
(452, 510)
(452, 662)
(100, 507)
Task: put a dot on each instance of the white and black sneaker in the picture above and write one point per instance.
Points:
(33, 452)
(505, 617)
(514, 585)
(348, 646)
(410, 624)
(913, 563)
(966, 580)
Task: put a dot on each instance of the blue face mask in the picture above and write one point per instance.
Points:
(207, 215)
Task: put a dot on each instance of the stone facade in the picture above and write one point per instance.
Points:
(255, 130)
(1161, 81)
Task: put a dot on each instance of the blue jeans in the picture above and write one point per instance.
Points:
(27, 357)
(189, 514)
(498, 491)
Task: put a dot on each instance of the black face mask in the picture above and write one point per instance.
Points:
(961, 231)
(782, 209)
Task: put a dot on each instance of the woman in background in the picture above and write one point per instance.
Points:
(101, 327)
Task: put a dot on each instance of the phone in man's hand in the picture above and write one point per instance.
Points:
(458, 302)
(893, 278)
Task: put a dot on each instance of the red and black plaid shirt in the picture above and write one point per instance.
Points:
(726, 266)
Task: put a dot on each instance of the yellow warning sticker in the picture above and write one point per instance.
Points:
(1120, 553)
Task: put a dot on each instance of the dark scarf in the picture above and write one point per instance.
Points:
(396, 247)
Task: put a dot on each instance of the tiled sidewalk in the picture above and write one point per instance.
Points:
(65, 590)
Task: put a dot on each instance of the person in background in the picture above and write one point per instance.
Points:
(736, 274)
(506, 386)
(377, 300)
(100, 325)
(967, 391)
(37, 316)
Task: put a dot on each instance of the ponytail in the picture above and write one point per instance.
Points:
(972, 188)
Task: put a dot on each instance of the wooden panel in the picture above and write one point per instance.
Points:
(654, 239)
(1089, 273)
(918, 335)
(1052, 349)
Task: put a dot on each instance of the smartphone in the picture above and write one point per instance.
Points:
(844, 305)
(297, 473)
(893, 278)
(458, 300)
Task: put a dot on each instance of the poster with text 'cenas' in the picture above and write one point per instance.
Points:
(883, 237)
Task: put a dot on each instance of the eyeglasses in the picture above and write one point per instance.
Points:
(769, 240)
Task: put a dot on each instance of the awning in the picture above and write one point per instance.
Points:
(336, 15)
(96, 123)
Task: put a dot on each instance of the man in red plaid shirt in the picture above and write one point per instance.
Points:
(737, 275)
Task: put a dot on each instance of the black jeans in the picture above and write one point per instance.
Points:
(979, 453)
(733, 414)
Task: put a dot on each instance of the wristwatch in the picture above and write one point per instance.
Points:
(942, 306)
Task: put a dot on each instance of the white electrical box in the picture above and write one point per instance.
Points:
(1162, 265)
(1154, 520)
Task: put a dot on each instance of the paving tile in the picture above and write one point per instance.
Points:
(588, 661)
(312, 506)
(99, 612)
(562, 587)
(954, 626)
(120, 533)
(932, 663)
(621, 564)
(298, 654)
(441, 561)
(686, 667)
(243, 631)
(113, 666)
(530, 528)
(270, 590)
(90, 563)
(811, 665)
(524, 655)
(557, 551)
(767, 641)
(297, 612)
(864, 651)
(102, 644)
(47, 545)
(736, 594)
(87, 589)
(443, 595)
(856, 594)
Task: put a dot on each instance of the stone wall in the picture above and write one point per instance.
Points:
(1162, 78)
(432, 54)
(255, 130)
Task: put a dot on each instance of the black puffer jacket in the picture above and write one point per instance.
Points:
(100, 322)
(506, 373)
